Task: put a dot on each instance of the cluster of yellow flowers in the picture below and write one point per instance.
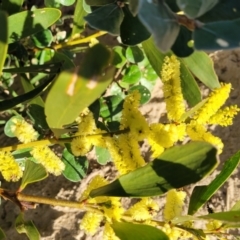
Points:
(25, 133)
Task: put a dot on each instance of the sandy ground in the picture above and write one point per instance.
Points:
(63, 223)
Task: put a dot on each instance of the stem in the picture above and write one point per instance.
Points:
(78, 41)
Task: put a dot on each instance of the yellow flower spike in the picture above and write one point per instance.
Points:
(174, 204)
(80, 146)
(108, 233)
(23, 131)
(87, 123)
(91, 222)
(213, 225)
(97, 139)
(199, 133)
(224, 117)
(144, 210)
(9, 168)
(114, 211)
(96, 182)
(215, 100)
(170, 76)
(48, 159)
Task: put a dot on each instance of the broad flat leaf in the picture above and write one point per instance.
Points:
(10, 103)
(217, 35)
(8, 126)
(2, 235)
(26, 227)
(144, 92)
(32, 173)
(225, 9)
(75, 167)
(102, 154)
(231, 216)
(199, 61)
(76, 89)
(22, 154)
(119, 59)
(67, 2)
(106, 18)
(181, 46)
(11, 6)
(201, 194)
(132, 31)
(134, 54)
(196, 8)
(132, 75)
(188, 164)
(78, 20)
(3, 39)
(190, 89)
(155, 57)
(43, 38)
(133, 7)
(131, 231)
(160, 21)
(26, 23)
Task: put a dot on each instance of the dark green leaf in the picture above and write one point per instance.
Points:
(76, 89)
(119, 59)
(66, 62)
(199, 61)
(78, 18)
(32, 173)
(145, 93)
(201, 194)
(3, 39)
(102, 154)
(194, 9)
(181, 46)
(26, 227)
(99, 2)
(26, 23)
(21, 154)
(188, 163)
(134, 54)
(131, 231)
(160, 21)
(198, 233)
(10, 103)
(190, 89)
(132, 31)
(11, 6)
(8, 126)
(217, 35)
(75, 167)
(231, 216)
(2, 235)
(42, 39)
(132, 75)
(110, 106)
(107, 18)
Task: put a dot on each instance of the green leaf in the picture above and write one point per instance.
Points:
(26, 227)
(217, 35)
(102, 154)
(133, 7)
(149, 73)
(75, 167)
(145, 93)
(188, 163)
(22, 154)
(131, 231)
(77, 89)
(201, 194)
(2, 235)
(236, 206)
(78, 18)
(42, 39)
(132, 75)
(3, 39)
(11, 6)
(231, 216)
(134, 54)
(119, 59)
(132, 31)
(110, 106)
(99, 2)
(190, 89)
(26, 23)
(10, 103)
(199, 61)
(155, 57)
(32, 173)
(194, 9)
(160, 21)
(198, 233)
(8, 126)
(67, 2)
(106, 18)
